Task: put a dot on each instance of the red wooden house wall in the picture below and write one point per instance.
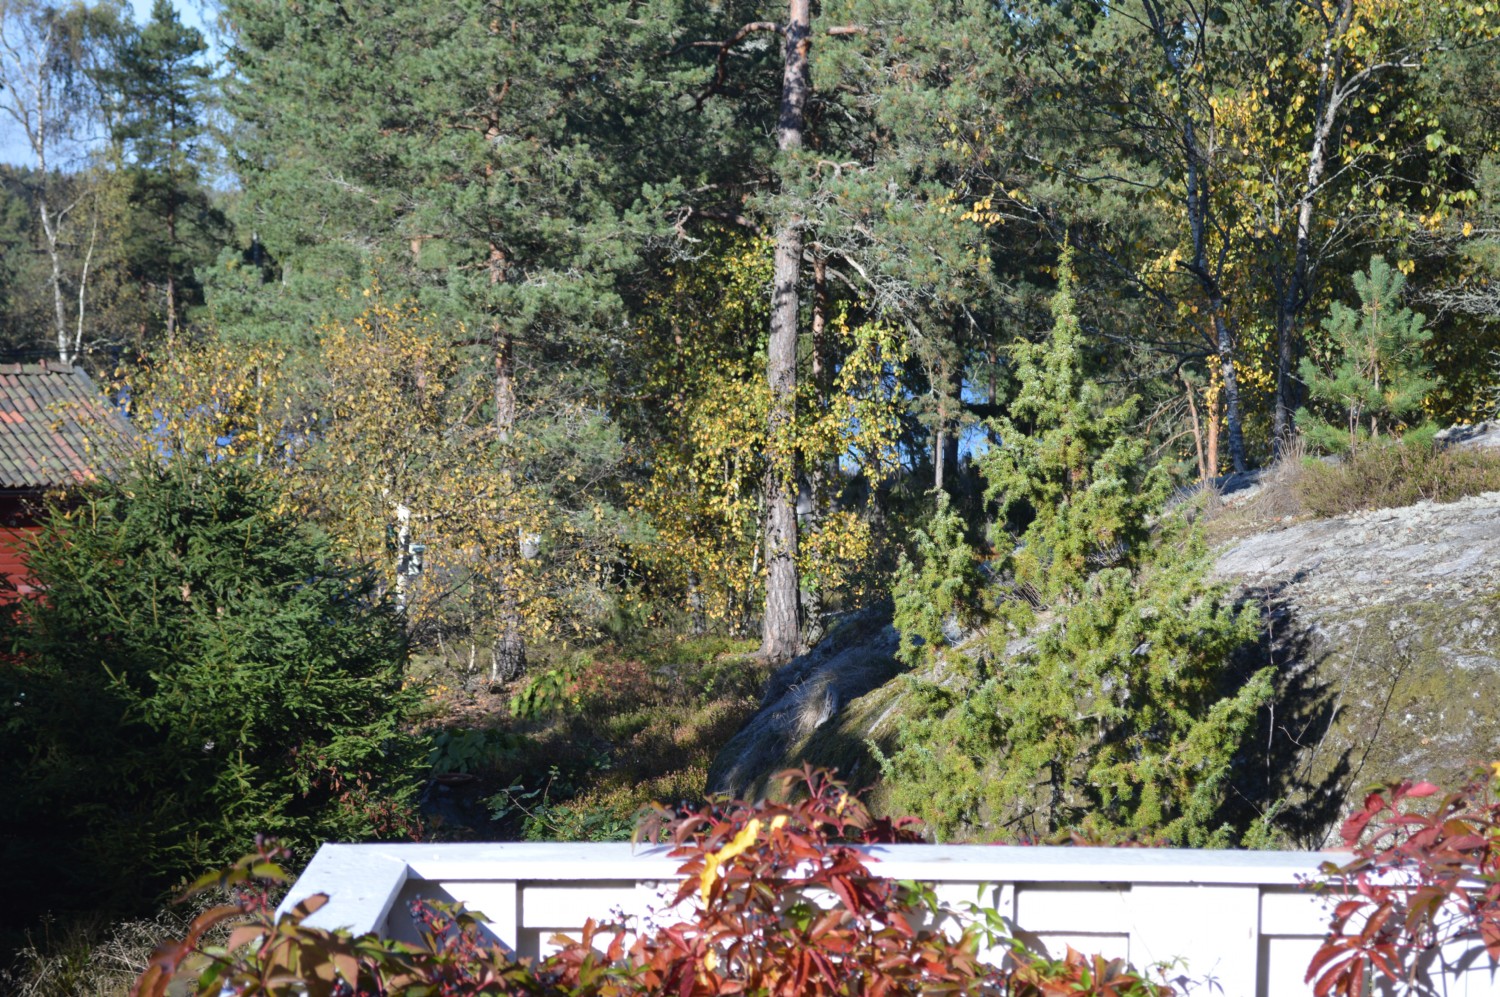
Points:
(56, 431)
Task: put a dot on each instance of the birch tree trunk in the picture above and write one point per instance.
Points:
(1333, 90)
(49, 236)
(508, 654)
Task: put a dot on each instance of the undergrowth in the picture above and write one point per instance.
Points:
(1391, 475)
(93, 957)
(575, 751)
(1386, 474)
(579, 746)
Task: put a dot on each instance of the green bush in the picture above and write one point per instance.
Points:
(200, 669)
(942, 584)
(1107, 704)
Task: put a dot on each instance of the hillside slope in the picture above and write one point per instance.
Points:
(1384, 627)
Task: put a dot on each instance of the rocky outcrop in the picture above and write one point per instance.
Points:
(1482, 434)
(1384, 628)
(804, 698)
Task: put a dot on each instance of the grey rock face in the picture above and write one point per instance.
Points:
(806, 695)
(1481, 434)
(1385, 628)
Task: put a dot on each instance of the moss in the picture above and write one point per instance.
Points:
(1386, 692)
(844, 745)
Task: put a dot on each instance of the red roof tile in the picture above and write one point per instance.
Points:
(56, 428)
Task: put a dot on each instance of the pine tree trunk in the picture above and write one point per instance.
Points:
(171, 277)
(781, 623)
(939, 452)
(819, 478)
(1214, 421)
(1197, 427)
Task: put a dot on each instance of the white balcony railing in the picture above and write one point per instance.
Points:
(1238, 924)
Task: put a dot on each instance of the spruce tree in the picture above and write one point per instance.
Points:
(202, 670)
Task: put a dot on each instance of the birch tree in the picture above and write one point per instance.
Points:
(46, 51)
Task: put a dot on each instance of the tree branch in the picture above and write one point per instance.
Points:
(721, 68)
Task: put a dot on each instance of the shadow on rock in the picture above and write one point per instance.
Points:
(1289, 770)
(805, 697)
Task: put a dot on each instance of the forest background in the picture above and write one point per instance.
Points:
(569, 342)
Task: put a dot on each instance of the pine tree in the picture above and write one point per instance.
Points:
(158, 88)
(485, 158)
(1378, 375)
(863, 99)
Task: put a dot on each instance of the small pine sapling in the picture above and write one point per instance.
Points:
(1377, 374)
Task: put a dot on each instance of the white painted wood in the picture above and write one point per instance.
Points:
(361, 884)
(1072, 907)
(1209, 934)
(1236, 923)
(567, 906)
(1285, 912)
(1283, 964)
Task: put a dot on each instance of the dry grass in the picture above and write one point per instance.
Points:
(90, 957)
(1387, 476)
(1379, 476)
(1273, 504)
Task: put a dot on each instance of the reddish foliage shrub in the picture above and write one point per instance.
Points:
(1422, 879)
(775, 900)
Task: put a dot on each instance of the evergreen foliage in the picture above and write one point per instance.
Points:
(505, 306)
(1071, 478)
(940, 590)
(1378, 375)
(201, 670)
(1108, 705)
(157, 93)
